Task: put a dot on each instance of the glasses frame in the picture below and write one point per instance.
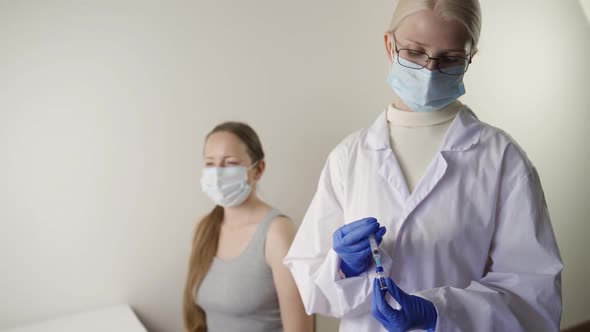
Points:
(431, 58)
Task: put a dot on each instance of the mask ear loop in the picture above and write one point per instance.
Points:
(393, 49)
(393, 52)
(251, 167)
(254, 165)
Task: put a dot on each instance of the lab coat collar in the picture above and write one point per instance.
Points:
(464, 132)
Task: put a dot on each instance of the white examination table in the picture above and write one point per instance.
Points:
(113, 319)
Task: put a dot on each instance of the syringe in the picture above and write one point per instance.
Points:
(377, 257)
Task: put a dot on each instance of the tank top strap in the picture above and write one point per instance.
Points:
(260, 235)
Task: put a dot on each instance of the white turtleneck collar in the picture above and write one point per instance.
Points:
(399, 118)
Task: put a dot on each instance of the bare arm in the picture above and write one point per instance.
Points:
(279, 238)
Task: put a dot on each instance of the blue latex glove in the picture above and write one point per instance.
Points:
(416, 312)
(351, 243)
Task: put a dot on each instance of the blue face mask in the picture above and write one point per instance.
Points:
(424, 90)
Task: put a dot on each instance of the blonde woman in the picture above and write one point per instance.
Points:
(236, 280)
(457, 207)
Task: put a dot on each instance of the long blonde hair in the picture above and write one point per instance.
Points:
(467, 12)
(206, 238)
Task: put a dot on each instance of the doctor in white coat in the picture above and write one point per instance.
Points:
(456, 205)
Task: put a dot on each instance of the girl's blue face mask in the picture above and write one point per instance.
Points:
(424, 90)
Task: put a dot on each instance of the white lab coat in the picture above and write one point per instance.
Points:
(474, 237)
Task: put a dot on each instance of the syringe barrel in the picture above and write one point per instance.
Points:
(381, 278)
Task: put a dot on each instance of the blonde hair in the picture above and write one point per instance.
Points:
(467, 12)
(204, 248)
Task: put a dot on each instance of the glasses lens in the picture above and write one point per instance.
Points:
(453, 65)
(412, 59)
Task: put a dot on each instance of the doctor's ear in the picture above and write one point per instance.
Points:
(474, 55)
(388, 40)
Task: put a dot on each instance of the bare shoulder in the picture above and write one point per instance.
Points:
(281, 229)
(279, 237)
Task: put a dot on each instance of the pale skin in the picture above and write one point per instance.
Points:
(427, 32)
(224, 149)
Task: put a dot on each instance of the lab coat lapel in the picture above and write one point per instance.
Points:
(463, 133)
(434, 173)
(392, 172)
(389, 168)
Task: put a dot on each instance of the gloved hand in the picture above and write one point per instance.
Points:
(416, 312)
(351, 243)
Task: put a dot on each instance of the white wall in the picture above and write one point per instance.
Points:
(104, 104)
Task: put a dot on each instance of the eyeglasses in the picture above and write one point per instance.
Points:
(446, 64)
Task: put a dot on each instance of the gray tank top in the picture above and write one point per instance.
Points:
(239, 295)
